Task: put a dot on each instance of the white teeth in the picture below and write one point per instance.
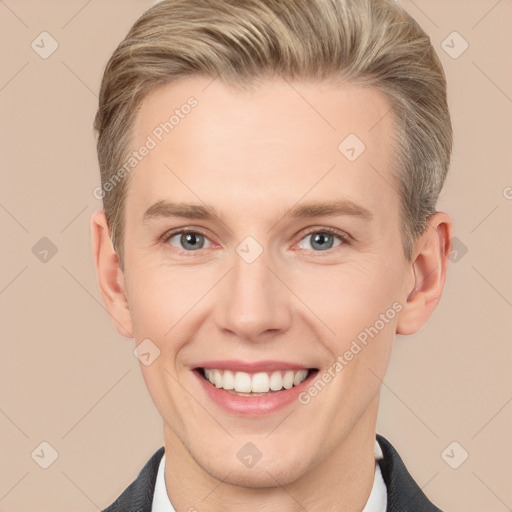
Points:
(288, 379)
(276, 381)
(242, 382)
(217, 378)
(228, 380)
(299, 377)
(260, 382)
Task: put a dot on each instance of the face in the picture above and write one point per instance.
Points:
(258, 253)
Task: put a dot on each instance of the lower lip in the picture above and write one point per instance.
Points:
(253, 405)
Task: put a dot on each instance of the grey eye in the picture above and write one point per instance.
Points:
(321, 241)
(189, 241)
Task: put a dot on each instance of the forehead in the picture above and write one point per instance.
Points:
(276, 143)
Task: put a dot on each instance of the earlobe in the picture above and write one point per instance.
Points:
(428, 266)
(110, 275)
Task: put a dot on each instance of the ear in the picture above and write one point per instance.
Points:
(110, 275)
(428, 274)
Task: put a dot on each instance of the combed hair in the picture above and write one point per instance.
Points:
(372, 43)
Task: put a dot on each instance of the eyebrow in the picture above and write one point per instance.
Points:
(165, 209)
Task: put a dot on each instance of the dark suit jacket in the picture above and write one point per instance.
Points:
(404, 495)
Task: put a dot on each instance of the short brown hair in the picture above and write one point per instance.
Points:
(367, 42)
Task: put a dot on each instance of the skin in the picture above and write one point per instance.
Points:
(253, 156)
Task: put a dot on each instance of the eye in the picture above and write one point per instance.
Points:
(322, 240)
(318, 240)
(188, 241)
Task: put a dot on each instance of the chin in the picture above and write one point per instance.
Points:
(261, 476)
(271, 470)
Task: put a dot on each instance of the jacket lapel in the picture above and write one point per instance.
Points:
(404, 494)
(138, 496)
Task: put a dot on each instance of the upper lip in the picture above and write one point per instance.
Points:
(250, 366)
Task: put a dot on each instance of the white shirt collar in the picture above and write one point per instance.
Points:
(161, 502)
(377, 502)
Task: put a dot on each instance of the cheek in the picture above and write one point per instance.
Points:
(350, 298)
(162, 298)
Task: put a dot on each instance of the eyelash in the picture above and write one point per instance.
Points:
(344, 238)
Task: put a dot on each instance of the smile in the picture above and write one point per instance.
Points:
(255, 384)
(253, 389)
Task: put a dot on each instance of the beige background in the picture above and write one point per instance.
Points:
(69, 379)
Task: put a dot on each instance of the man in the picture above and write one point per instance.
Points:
(270, 171)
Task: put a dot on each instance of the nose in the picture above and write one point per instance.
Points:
(253, 302)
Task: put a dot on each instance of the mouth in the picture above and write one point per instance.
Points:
(252, 389)
(255, 384)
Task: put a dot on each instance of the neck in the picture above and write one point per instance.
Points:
(341, 481)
